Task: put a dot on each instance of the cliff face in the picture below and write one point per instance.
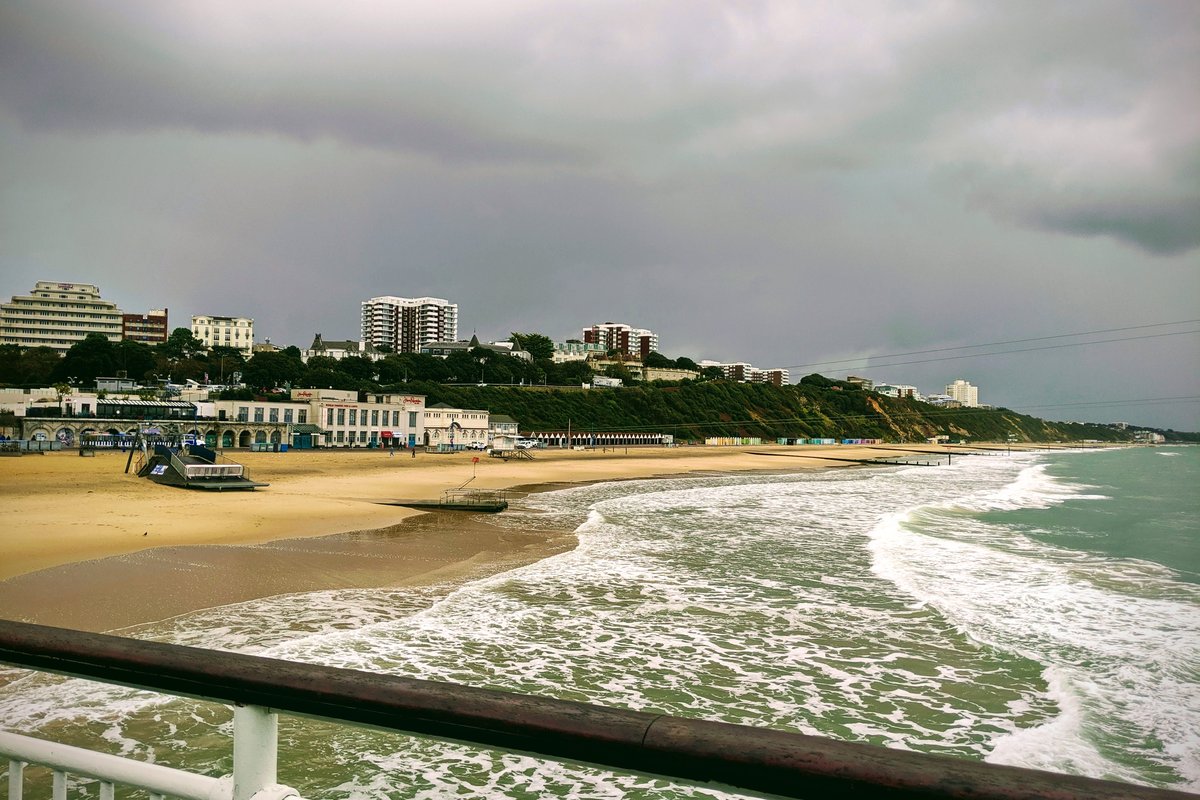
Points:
(721, 408)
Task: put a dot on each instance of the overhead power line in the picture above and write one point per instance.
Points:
(1009, 342)
(1001, 352)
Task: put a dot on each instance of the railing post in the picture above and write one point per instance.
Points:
(255, 750)
(16, 779)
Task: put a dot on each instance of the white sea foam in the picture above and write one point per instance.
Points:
(1114, 657)
(810, 603)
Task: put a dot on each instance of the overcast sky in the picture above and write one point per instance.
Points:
(783, 183)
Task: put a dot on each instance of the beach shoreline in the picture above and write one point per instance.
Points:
(87, 546)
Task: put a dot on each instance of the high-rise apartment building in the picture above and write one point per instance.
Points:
(235, 332)
(963, 392)
(622, 338)
(406, 324)
(58, 315)
(148, 328)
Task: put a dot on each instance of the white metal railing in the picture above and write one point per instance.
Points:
(255, 756)
(213, 470)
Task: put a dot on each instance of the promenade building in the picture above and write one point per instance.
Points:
(216, 331)
(148, 328)
(622, 338)
(58, 315)
(963, 392)
(406, 324)
(449, 427)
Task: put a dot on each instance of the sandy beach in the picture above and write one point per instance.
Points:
(85, 545)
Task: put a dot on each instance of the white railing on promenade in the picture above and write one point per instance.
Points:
(746, 760)
(255, 756)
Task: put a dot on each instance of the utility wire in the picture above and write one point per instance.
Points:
(1008, 342)
(1004, 352)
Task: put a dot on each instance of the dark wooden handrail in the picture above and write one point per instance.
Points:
(747, 758)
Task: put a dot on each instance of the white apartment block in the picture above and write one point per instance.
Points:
(406, 324)
(622, 338)
(966, 394)
(899, 390)
(742, 372)
(235, 332)
(58, 315)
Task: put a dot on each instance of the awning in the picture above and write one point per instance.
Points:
(304, 427)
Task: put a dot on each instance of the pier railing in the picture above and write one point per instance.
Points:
(731, 757)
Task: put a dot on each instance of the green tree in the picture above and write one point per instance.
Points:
(270, 370)
(182, 344)
(656, 359)
(223, 362)
(135, 359)
(538, 345)
(86, 361)
(683, 362)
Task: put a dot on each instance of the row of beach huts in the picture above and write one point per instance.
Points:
(741, 441)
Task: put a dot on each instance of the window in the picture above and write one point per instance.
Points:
(287, 415)
(243, 414)
(354, 416)
(303, 416)
(329, 416)
(275, 415)
(341, 416)
(258, 414)
(375, 417)
(412, 419)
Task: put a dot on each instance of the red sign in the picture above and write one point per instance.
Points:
(385, 434)
(475, 459)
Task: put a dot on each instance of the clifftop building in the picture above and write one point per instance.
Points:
(622, 338)
(58, 315)
(742, 372)
(963, 392)
(235, 332)
(406, 324)
(148, 328)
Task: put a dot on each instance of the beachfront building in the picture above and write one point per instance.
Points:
(235, 332)
(966, 394)
(406, 324)
(447, 427)
(58, 315)
(616, 336)
(148, 328)
(339, 349)
(502, 425)
(382, 420)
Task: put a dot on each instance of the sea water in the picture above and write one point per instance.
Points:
(1036, 609)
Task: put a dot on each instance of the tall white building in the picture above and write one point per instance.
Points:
(963, 392)
(406, 324)
(235, 332)
(58, 315)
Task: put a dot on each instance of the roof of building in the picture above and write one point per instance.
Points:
(502, 419)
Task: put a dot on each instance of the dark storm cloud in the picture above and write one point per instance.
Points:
(79, 68)
(779, 182)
